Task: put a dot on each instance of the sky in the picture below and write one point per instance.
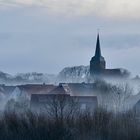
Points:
(48, 35)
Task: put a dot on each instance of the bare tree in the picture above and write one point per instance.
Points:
(61, 107)
(120, 94)
(113, 97)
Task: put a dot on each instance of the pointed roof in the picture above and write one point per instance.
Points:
(98, 50)
(58, 90)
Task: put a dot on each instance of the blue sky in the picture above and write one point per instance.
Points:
(48, 35)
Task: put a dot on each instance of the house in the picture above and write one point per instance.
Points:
(60, 95)
(25, 91)
(7, 90)
(132, 102)
(136, 105)
(42, 101)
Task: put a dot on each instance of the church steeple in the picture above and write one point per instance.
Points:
(98, 50)
(97, 63)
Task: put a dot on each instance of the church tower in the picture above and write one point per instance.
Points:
(97, 63)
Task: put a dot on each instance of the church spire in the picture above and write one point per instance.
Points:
(97, 62)
(98, 50)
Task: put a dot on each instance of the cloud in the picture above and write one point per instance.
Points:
(117, 8)
(42, 42)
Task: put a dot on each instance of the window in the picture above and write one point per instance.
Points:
(83, 106)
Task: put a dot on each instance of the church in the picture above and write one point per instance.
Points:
(98, 66)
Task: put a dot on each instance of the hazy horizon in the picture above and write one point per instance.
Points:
(48, 35)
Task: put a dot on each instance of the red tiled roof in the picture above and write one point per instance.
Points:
(37, 89)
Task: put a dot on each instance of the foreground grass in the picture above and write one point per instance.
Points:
(101, 125)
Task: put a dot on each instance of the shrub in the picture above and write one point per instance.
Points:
(101, 125)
